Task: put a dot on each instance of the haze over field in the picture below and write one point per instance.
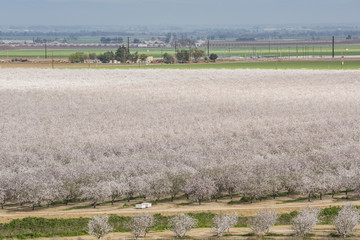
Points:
(178, 12)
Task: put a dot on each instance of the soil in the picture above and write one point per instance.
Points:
(167, 208)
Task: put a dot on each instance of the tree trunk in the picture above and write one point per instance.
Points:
(94, 204)
(199, 202)
(33, 207)
(309, 198)
(333, 193)
(320, 196)
(2, 206)
(346, 192)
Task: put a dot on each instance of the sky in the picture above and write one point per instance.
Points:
(178, 12)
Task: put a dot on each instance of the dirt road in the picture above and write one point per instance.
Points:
(168, 208)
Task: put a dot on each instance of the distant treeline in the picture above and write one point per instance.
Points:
(245, 34)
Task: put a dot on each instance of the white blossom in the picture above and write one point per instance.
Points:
(222, 223)
(263, 220)
(99, 226)
(181, 224)
(346, 220)
(303, 223)
(140, 224)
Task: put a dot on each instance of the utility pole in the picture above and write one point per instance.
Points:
(303, 51)
(297, 52)
(52, 60)
(129, 44)
(189, 55)
(175, 52)
(175, 48)
(45, 50)
(321, 52)
(208, 48)
(313, 52)
(289, 52)
(333, 47)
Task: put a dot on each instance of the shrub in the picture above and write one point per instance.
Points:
(168, 58)
(213, 57)
(92, 56)
(78, 57)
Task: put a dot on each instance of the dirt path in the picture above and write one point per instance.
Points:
(168, 208)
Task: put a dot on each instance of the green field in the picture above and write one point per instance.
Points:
(355, 65)
(223, 52)
(40, 227)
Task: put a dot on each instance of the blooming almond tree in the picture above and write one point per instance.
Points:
(346, 221)
(99, 226)
(118, 188)
(96, 193)
(200, 188)
(303, 223)
(263, 220)
(159, 186)
(222, 223)
(181, 224)
(4, 187)
(140, 225)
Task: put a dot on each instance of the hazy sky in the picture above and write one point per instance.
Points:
(177, 12)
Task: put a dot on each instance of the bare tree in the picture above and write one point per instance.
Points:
(303, 223)
(222, 223)
(181, 224)
(263, 220)
(140, 225)
(346, 221)
(99, 226)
